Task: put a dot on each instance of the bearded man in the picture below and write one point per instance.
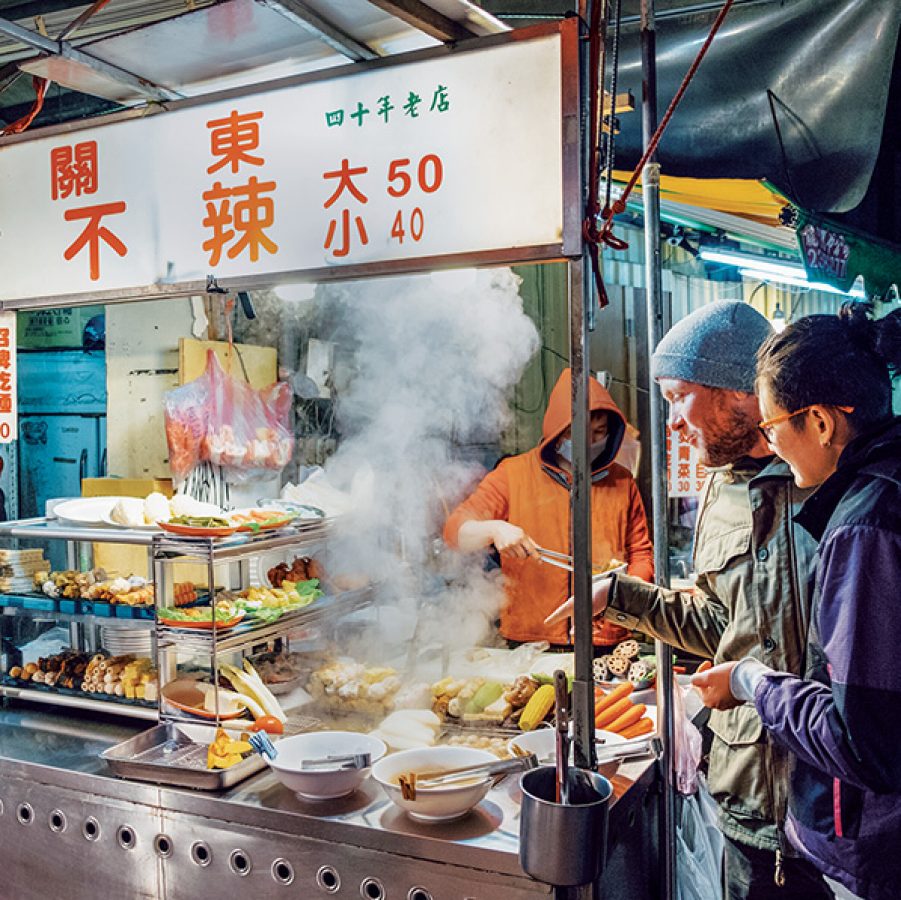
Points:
(752, 595)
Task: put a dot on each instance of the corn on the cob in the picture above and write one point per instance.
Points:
(537, 708)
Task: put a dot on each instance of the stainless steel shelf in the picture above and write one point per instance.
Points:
(248, 634)
(150, 713)
(238, 545)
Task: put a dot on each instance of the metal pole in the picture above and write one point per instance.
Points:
(650, 180)
(580, 300)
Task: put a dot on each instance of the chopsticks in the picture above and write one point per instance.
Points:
(410, 781)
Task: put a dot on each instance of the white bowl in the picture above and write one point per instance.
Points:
(440, 804)
(323, 784)
(543, 743)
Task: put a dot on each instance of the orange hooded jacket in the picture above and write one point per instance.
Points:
(533, 492)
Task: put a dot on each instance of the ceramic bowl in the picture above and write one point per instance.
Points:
(440, 804)
(323, 784)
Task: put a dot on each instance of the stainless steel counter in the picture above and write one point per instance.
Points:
(67, 826)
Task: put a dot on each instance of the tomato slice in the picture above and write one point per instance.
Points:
(269, 724)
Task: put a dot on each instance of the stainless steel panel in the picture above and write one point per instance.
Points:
(60, 842)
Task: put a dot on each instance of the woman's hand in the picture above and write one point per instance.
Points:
(600, 596)
(714, 688)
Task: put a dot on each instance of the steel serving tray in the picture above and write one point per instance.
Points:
(175, 753)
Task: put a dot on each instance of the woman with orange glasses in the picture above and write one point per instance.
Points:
(825, 388)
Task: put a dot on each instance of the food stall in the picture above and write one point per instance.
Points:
(81, 815)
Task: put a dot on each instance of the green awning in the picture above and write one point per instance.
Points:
(837, 255)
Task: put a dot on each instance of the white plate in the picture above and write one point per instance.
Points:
(85, 510)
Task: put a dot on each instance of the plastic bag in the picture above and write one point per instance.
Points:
(224, 421)
(687, 744)
(699, 847)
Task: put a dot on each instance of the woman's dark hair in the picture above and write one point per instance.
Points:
(843, 360)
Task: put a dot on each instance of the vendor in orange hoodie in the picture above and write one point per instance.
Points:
(525, 502)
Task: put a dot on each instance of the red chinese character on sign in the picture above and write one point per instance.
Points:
(4, 337)
(248, 216)
(6, 403)
(684, 453)
(94, 232)
(232, 138)
(6, 381)
(345, 176)
(73, 169)
(5, 359)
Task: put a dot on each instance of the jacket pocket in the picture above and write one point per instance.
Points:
(717, 549)
(739, 760)
(847, 807)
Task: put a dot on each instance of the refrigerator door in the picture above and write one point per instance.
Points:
(55, 453)
(62, 382)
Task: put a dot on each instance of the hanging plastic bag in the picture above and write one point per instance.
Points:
(224, 421)
(247, 431)
(186, 411)
(687, 743)
(699, 847)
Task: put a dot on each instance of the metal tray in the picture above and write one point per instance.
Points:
(175, 753)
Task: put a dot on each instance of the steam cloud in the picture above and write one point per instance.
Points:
(424, 364)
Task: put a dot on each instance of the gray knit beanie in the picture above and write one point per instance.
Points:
(715, 346)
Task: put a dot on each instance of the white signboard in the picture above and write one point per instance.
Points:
(9, 425)
(686, 473)
(456, 154)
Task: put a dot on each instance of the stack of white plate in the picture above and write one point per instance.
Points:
(121, 639)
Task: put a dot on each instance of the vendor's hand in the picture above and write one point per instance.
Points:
(511, 541)
(600, 595)
(713, 686)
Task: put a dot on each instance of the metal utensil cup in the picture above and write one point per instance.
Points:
(563, 845)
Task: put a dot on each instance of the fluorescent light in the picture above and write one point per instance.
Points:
(750, 261)
(798, 280)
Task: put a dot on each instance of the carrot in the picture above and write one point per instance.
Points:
(707, 664)
(630, 717)
(642, 726)
(620, 691)
(613, 712)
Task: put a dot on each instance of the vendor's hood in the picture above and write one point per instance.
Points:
(558, 417)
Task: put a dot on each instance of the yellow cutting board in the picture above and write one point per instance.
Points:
(260, 364)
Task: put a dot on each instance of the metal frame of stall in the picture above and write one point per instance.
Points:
(572, 249)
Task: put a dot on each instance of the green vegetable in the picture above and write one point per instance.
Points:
(201, 521)
(484, 696)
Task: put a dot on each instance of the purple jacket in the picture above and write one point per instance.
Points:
(843, 723)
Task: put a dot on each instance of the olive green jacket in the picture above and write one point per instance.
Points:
(752, 599)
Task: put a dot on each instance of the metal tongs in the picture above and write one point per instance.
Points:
(561, 700)
(411, 781)
(562, 561)
(344, 761)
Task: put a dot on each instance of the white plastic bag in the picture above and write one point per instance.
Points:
(687, 742)
(699, 847)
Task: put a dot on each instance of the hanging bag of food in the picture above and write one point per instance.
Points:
(222, 420)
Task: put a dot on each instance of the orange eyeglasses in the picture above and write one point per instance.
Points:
(766, 427)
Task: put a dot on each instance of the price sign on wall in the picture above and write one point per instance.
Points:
(686, 473)
(8, 408)
(455, 154)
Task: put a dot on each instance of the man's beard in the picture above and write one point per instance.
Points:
(729, 439)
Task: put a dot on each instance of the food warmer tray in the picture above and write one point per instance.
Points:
(175, 754)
